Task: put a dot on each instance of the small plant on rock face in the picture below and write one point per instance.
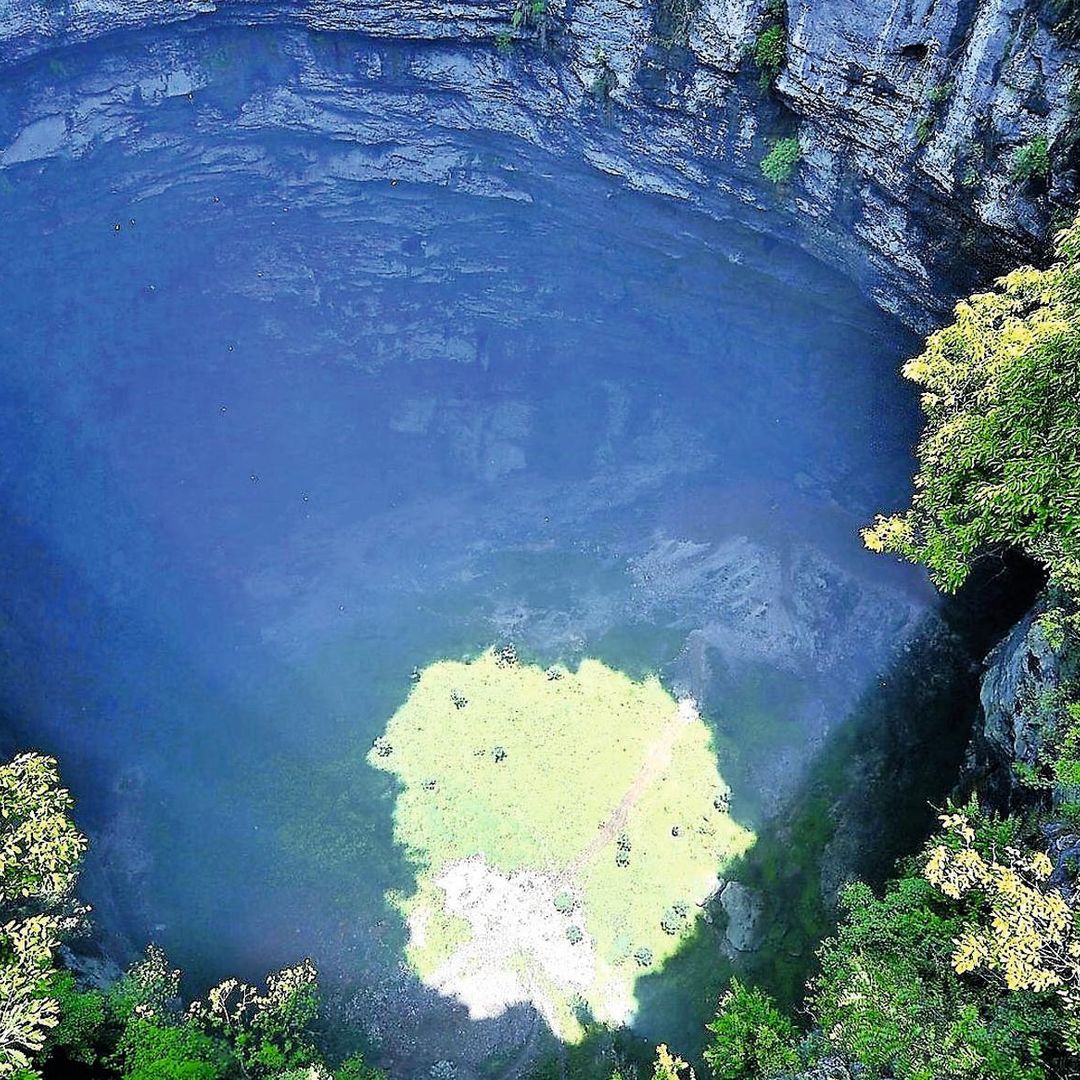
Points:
(643, 956)
(499, 753)
(526, 12)
(603, 83)
(941, 93)
(574, 935)
(779, 163)
(382, 747)
(769, 52)
(564, 903)
(1031, 161)
(924, 129)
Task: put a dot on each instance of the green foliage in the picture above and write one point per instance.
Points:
(268, 1030)
(1032, 161)
(601, 88)
(779, 163)
(941, 93)
(356, 1068)
(999, 458)
(41, 847)
(527, 12)
(889, 998)
(924, 129)
(672, 22)
(151, 1050)
(751, 1038)
(769, 52)
(83, 1017)
(149, 988)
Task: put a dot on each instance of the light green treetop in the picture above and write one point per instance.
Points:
(40, 851)
(999, 459)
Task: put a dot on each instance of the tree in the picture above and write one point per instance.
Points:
(891, 996)
(999, 459)
(752, 1039)
(269, 1031)
(40, 852)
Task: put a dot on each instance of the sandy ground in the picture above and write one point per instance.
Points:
(519, 951)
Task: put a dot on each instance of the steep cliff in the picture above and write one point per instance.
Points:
(908, 115)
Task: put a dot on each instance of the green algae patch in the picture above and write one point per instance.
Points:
(566, 827)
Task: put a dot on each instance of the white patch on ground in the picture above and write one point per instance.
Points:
(519, 951)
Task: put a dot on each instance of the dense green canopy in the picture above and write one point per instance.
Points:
(999, 459)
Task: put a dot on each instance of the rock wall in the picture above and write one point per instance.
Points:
(1012, 726)
(908, 113)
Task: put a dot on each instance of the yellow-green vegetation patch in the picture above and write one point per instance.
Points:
(566, 827)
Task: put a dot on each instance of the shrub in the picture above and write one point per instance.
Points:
(889, 995)
(769, 52)
(941, 93)
(670, 1067)
(779, 163)
(526, 12)
(564, 903)
(751, 1038)
(82, 1020)
(356, 1068)
(574, 935)
(1067, 19)
(674, 919)
(643, 956)
(1032, 161)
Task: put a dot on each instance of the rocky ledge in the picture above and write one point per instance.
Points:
(908, 116)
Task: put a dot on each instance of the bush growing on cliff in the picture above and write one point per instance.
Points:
(999, 458)
(779, 163)
(769, 50)
(1031, 161)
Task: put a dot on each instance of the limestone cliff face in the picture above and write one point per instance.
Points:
(909, 112)
(1012, 726)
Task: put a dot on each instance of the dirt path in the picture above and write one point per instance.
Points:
(657, 759)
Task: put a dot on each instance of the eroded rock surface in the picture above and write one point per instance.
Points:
(908, 115)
